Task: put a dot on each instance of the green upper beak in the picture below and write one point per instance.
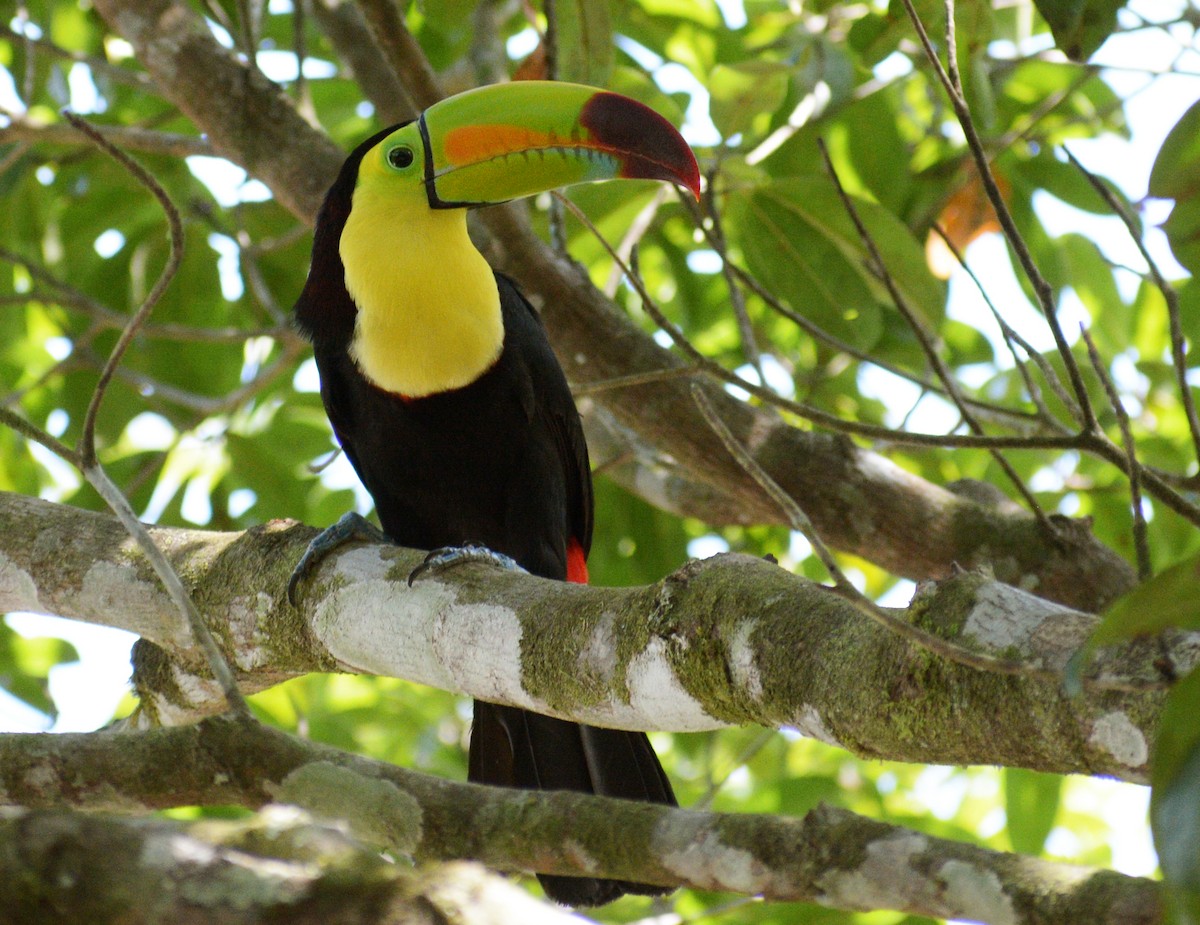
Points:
(506, 141)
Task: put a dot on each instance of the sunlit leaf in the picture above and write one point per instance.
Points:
(1176, 171)
(1030, 805)
(800, 242)
(743, 93)
(1183, 231)
(1175, 796)
(25, 666)
(585, 41)
(1080, 26)
(1169, 599)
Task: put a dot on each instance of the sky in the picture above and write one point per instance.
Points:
(88, 691)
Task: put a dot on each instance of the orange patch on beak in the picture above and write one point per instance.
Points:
(472, 144)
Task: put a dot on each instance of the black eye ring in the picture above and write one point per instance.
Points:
(400, 157)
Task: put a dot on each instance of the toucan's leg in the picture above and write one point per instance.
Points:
(350, 526)
(450, 556)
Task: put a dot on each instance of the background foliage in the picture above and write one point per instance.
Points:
(214, 418)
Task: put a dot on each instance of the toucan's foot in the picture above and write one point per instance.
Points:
(450, 556)
(350, 526)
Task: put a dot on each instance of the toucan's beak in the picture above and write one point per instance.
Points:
(510, 140)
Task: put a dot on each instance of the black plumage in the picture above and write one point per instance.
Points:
(501, 462)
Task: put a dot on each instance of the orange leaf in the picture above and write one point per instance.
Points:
(967, 214)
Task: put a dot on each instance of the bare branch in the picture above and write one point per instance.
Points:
(737, 299)
(878, 266)
(32, 432)
(207, 405)
(1012, 336)
(129, 137)
(402, 51)
(1043, 290)
(796, 517)
(1017, 420)
(804, 410)
(830, 856)
(1179, 356)
(98, 65)
(1140, 542)
(731, 640)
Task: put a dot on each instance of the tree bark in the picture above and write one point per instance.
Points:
(730, 640)
(830, 856)
(65, 866)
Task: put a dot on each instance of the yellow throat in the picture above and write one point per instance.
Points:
(428, 307)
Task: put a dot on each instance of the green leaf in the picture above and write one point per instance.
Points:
(801, 244)
(1176, 172)
(585, 41)
(25, 666)
(742, 94)
(1175, 796)
(1080, 26)
(634, 543)
(1170, 598)
(1189, 315)
(1031, 805)
(1183, 231)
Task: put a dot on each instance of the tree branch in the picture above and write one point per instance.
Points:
(731, 640)
(830, 856)
(128, 137)
(343, 25)
(277, 866)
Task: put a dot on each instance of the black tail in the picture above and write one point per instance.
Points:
(511, 747)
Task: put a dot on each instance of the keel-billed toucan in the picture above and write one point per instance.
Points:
(443, 390)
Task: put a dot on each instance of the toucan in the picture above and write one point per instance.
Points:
(443, 390)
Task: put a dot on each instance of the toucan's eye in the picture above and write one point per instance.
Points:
(400, 157)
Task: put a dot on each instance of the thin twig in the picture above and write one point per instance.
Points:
(1179, 356)
(179, 595)
(634, 379)
(249, 12)
(1141, 543)
(633, 235)
(32, 432)
(737, 298)
(14, 155)
(90, 466)
(1043, 290)
(878, 266)
(104, 318)
(1012, 336)
(806, 411)
(556, 219)
(1000, 414)
(795, 515)
(761, 740)
(304, 100)
(29, 80)
(59, 368)
(87, 440)
(207, 405)
(98, 65)
(550, 38)
(127, 136)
